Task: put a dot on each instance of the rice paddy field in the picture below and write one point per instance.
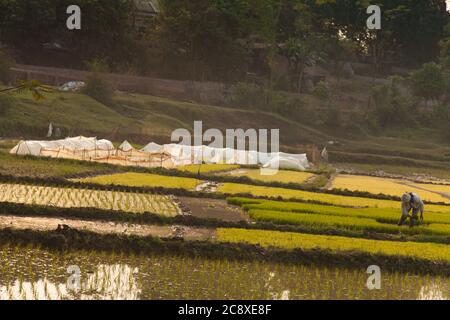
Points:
(84, 198)
(338, 200)
(144, 180)
(41, 274)
(283, 176)
(286, 220)
(394, 187)
(337, 244)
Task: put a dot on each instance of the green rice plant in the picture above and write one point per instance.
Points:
(336, 244)
(83, 198)
(380, 214)
(318, 221)
(337, 200)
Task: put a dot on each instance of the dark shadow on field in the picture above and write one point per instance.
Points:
(213, 209)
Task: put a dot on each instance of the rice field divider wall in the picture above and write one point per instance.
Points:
(72, 239)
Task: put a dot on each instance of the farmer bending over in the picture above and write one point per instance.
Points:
(411, 201)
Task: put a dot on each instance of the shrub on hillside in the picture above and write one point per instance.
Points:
(5, 104)
(97, 87)
(248, 95)
(428, 82)
(322, 90)
(333, 118)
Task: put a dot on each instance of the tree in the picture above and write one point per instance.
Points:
(411, 29)
(97, 87)
(298, 41)
(210, 39)
(428, 82)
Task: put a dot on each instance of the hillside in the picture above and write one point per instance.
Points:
(142, 118)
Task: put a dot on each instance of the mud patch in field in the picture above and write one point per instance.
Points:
(213, 209)
(48, 224)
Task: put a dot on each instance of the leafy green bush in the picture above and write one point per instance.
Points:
(248, 95)
(97, 87)
(323, 90)
(428, 82)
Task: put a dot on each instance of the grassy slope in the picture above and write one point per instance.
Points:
(135, 117)
(35, 167)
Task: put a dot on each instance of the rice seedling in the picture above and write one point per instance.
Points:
(83, 198)
(336, 244)
(181, 277)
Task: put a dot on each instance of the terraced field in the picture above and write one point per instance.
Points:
(321, 218)
(380, 214)
(337, 200)
(144, 180)
(394, 187)
(83, 198)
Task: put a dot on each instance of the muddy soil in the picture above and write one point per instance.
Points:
(213, 208)
(48, 224)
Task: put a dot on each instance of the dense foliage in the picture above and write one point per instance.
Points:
(219, 39)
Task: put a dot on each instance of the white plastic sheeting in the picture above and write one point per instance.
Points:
(35, 148)
(284, 163)
(126, 146)
(185, 155)
(152, 147)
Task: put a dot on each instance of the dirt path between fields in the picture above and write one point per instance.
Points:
(213, 209)
(48, 224)
(207, 186)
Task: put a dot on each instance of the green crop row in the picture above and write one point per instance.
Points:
(322, 222)
(336, 244)
(379, 214)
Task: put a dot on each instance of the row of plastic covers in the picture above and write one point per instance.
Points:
(180, 154)
(184, 155)
(35, 148)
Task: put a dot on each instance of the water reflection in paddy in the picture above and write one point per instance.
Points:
(40, 274)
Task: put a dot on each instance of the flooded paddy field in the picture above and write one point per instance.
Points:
(33, 273)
